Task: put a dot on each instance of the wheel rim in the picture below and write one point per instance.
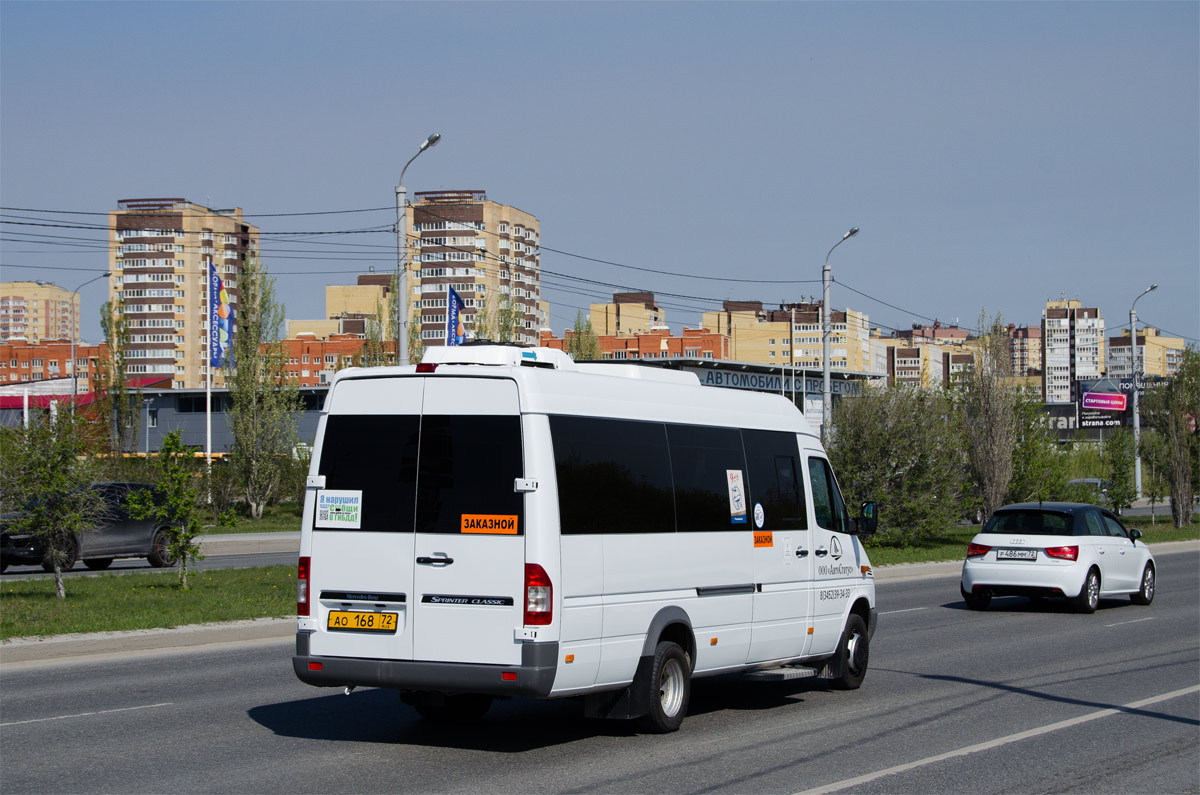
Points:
(1148, 583)
(1093, 587)
(670, 688)
(853, 658)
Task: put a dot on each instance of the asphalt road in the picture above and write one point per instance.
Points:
(1016, 699)
(128, 565)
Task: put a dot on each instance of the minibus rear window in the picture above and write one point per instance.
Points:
(377, 455)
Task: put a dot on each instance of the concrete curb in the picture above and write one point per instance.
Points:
(249, 543)
(117, 644)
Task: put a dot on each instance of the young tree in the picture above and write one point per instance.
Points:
(582, 343)
(416, 348)
(508, 320)
(899, 446)
(988, 408)
(262, 416)
(118, 404)
(46, 475)
(373, 353)
(1118, 469)
(1174, 411)
(173, 503)
(1040, 471)
(482, 321)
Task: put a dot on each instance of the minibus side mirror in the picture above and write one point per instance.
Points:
(865, 524)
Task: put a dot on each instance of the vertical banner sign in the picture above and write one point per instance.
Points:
(454, 325)
(220, 319)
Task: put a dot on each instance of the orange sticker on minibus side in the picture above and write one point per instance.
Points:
(764, 538)
(489, 523)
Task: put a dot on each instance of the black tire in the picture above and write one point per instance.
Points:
(1145, 594)
(3, 566)
(96, 564)
(670, 689)
(854, 651)
(464, 708)
(159, 557)
(1089, 595)
(975, 601)
(65, 563)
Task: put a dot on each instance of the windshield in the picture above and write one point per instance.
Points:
(1044, 523)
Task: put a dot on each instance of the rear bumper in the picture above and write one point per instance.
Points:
(1017, 579)
(534, 676)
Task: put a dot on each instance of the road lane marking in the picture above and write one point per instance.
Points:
(999, 741)
(905, 610)
(88, 714)
(1134, 621)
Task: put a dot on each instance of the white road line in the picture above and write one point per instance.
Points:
(1134, 621)
(88, 714)
(905, 610)
(999, 741)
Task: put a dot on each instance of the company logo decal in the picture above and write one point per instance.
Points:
(835, 549)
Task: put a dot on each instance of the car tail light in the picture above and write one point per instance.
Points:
(977, 550)
(539, 596)
(302, 586)
(426, 367)
(1063, 553)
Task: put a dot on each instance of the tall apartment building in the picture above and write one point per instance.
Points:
(791, 335)
(1025, 347)
(1072, 348)
(37, 311)
(488, 252)
(1156, 355)
(628, 315)
(350, 307)
(160, 250)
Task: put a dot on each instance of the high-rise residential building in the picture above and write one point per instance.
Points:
(791, 335)
(1072, 348)
(160, 252)
(37, 311)
(628, 315)
(1156, 355)
(1025, 347)
(488, 253)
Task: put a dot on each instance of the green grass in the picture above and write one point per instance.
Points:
(110, 602)
(283, 518)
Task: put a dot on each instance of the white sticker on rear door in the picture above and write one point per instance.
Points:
(339, 509)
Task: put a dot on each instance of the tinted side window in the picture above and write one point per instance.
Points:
(1114, 527)
(466, 473)
(701, 458)
(377, 455)
(614, 476)
(1094, 526)
(827, 498)
(774, 475)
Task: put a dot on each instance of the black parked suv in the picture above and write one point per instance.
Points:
(121, 536)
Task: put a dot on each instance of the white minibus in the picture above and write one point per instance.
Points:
(501, 521)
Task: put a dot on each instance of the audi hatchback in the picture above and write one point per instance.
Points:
(1057, 549)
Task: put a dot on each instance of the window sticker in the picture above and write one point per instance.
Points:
(339, 508)
(760, 515)
(489, 523)
(737, 496)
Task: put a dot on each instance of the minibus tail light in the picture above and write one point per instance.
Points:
(302, 586)
(977, 550)
(426, 367)
(539, 596)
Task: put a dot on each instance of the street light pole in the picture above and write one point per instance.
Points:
(402, 255)
(74, 333)
(1137, 420)
(826, 330)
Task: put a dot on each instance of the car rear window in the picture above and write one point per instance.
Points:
(1044, 523)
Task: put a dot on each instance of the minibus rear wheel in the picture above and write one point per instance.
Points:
(670, 688)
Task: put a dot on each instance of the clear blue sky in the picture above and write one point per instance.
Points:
(994, 154)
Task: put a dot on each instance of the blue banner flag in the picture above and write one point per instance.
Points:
(455, 334)
(220, 319)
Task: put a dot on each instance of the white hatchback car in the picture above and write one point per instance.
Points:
(1063, 549)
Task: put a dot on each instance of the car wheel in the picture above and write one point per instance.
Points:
(975, 601)
(65, 562)
(96, 564)
(1145, 594)
(670, 689)
(160, 556)
(450, 710)
(853, 652)
(1089, 596)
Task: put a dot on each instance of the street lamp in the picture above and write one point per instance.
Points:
(402, 255)
(826, 330)
(74, 300)
(1137, 420)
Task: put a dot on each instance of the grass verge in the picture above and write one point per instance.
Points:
(283, 518)
(151, 600)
